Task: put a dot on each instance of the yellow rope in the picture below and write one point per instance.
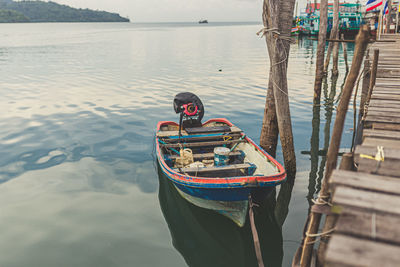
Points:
(380, 155)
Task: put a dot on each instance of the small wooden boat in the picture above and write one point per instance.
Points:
(221, 182)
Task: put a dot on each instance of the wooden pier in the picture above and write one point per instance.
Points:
(367, 232)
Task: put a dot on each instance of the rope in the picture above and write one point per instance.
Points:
(257, 246)
(379, 156)
(265, 30)
(321, 202)
(321, 234)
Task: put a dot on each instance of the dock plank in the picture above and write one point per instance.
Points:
(365, 200)
(370, 225)
(377, 183)
(350, 251)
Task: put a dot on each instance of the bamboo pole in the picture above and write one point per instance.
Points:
(315, 218)
(278, 16)
(344, 46)
(333, 35)
(319, 69)
(374, 69)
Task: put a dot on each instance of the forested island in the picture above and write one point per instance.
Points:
(39, 11)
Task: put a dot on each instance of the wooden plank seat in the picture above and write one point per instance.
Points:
(199, 170)
(233, 129)
(190, 138)
(202, 144)
(207, 155)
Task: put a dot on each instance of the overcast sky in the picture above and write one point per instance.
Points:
(179, 10)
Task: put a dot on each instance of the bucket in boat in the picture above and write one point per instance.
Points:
(221, 156)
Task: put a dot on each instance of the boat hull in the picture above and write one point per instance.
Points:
(234, 210)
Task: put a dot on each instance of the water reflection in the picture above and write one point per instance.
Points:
(205, 238)
(317, 168)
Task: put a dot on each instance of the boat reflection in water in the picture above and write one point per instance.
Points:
(206, 238)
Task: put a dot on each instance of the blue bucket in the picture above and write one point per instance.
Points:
(221, 156)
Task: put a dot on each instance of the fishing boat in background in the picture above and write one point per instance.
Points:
(214, 165)
(203, 21)
(350, 19)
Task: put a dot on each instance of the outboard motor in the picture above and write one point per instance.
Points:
(191, 110)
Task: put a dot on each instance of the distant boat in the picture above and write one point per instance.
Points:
(203, 21)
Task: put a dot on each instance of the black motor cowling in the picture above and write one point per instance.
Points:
(190, 108)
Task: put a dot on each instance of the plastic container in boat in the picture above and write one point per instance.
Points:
(221, 156)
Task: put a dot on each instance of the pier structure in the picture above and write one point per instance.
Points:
(367, 201)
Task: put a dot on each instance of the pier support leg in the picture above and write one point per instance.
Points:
(319, 72)
(333, 35)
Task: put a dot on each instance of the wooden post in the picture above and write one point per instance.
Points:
(333, 35)
(374, 69)
(388, 18)
(397, 19)
(319, 70)
(344, 46)
(269, 131)
(365, 84)
(380, 23)
(315, 218)
(277, 17)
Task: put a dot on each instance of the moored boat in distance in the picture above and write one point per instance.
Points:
(213, 165)
(203, 21)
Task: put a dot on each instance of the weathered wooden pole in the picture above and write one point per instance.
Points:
(388, 18)
(374, 70)
(365, 84)
(380, 23)
(344, 46)
(319, 69)
(333, 35)
(277, 17)
(315, 218)
(269, 131)
(397, 19)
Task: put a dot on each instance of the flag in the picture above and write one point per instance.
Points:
(372, 4)
(386, 9)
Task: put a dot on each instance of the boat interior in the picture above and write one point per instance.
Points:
(193, 153)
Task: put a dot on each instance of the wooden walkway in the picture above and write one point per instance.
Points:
(368, 229)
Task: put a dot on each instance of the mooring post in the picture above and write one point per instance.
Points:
(269, 130)
(323, 198)
(319, 70)
(277, 17)
(388, 20)
(374, 70)
(333, 35)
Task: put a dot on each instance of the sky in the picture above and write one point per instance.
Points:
(179, 10)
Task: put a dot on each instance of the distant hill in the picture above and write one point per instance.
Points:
(39, 11)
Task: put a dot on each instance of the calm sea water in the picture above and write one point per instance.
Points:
(78, 108)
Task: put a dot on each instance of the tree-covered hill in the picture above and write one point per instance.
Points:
(39, 11)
